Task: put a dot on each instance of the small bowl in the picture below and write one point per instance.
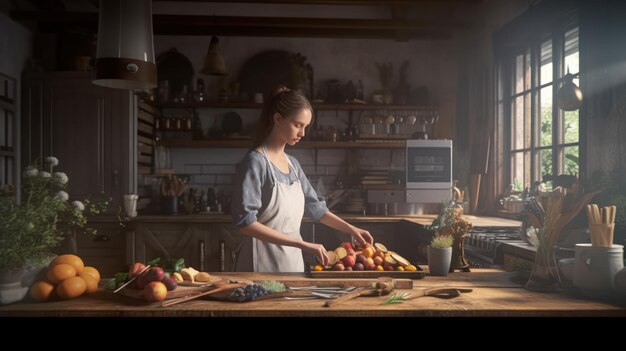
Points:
(566, 268)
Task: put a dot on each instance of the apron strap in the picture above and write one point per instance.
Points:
(271, 166)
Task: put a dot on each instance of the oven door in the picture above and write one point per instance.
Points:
(429, 164)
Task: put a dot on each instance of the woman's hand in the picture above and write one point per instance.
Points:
(361, 236)
(318, 250)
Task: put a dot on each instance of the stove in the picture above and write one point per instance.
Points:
(483, 245)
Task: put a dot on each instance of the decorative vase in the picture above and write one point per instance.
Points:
(439, 260)
(14, 284)
(544, 275)
(11, 289)
(459, 262)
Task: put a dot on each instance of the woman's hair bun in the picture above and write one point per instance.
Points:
(280, 89)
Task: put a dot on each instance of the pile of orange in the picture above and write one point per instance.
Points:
(68, 277)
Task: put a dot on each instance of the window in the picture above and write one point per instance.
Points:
(542, 139)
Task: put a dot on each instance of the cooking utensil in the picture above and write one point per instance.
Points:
(442, 293)
(382, 287)
(204, 293)
(132, 279)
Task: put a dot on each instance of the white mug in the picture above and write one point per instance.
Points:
(130, 205)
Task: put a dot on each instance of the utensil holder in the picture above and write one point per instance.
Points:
(601, 234)
(170, 205)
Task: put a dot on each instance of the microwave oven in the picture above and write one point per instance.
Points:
(428, 170)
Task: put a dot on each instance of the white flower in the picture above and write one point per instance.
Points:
(78, 205)
(60, 177)
(44, 174)
(30, 172)
(52, 161)
(62, 195)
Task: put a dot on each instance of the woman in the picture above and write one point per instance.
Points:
(271, 193)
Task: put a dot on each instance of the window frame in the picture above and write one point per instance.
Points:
(506, 95)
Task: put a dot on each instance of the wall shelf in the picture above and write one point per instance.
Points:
(316, 106)
(245, 143)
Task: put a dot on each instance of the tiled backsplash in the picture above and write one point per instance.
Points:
(216, 167)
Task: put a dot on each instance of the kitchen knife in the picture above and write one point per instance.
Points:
(142, 272)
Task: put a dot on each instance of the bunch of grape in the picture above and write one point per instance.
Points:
(248, 293)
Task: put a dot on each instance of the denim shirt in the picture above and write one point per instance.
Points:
(253, 185)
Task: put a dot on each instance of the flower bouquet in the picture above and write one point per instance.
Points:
(32, 228)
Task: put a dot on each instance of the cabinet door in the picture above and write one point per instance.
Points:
(206, 247)
(87, 127)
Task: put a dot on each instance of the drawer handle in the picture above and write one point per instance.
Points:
(102, 237)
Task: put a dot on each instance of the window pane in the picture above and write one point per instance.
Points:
(571, 51)
(545, 122)
(518, 123)
(571, 160)
(527, 122)
(545, 162)
(517, 171)
(519, 74)
(546, 62)
(571, 127)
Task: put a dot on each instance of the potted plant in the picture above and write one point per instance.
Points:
(440, 254)
(450, 222)
(31, 229)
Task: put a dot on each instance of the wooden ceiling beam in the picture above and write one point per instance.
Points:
(190, 22)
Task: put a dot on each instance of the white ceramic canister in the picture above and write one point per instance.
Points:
(595, 268)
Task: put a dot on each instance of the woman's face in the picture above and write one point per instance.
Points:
(291, 129)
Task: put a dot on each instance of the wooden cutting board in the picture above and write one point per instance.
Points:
(180, 291)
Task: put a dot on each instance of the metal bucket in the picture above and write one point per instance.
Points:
(595, 268)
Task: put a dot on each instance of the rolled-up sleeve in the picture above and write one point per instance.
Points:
(246, 201)
(314, 206)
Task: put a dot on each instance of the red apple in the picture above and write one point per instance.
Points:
(388, 267)
(170, 283)
(348, 246)
(378, 260)
(348, 261)
(154, 274)
(155, 291)
(135, 269)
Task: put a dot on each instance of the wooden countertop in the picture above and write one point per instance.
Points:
(476, 221)
(423, 220)
(496, 293)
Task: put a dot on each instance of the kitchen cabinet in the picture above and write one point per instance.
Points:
(90, 129)
(8, 135)
(205, 245)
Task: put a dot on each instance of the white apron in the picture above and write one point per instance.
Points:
(284, 214)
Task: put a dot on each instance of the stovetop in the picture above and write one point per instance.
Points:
(483, 246)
